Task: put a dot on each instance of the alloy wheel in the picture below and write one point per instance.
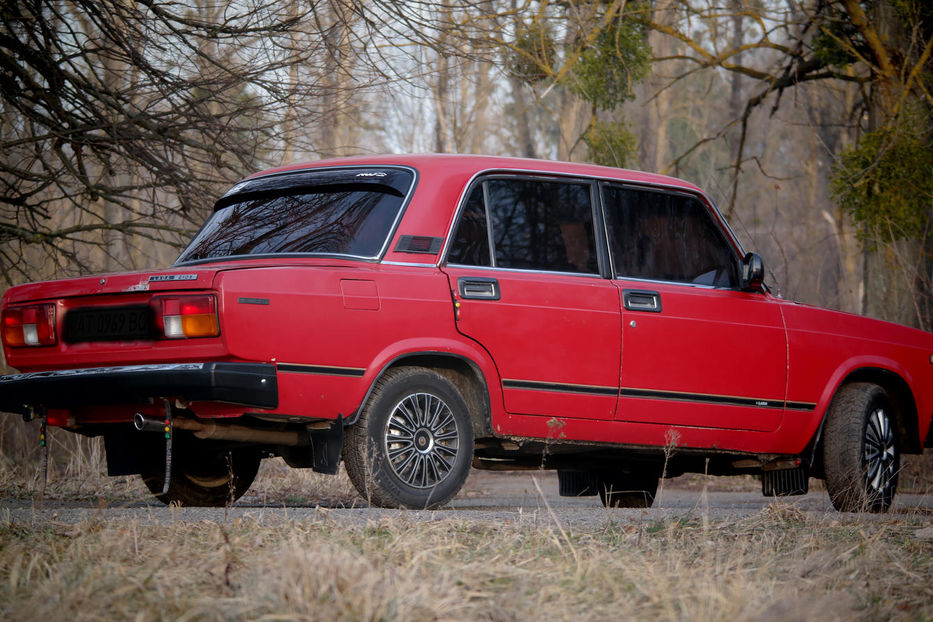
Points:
(421, 440)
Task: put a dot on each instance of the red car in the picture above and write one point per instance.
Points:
(416, 315)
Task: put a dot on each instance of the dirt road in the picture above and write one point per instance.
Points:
(516, 498)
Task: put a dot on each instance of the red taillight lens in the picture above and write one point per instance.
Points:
(181, 317)
(30, 326)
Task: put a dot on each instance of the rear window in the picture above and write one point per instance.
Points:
(335, 212)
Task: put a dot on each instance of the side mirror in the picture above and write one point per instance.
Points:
(753, 272)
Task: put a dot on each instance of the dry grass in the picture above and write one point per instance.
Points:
(778, 564)
(775, 565)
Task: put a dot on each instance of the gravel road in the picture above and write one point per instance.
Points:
(527, 498)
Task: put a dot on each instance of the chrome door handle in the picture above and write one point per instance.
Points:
(641, 300)
(478, 288)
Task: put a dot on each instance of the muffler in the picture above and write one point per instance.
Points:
(224, 431)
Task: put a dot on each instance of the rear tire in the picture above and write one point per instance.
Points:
(413, 444)
(861, 452)
(203, 474)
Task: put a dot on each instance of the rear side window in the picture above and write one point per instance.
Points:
(535, 225)
(666, 237)
(346, 212)
(471, 242)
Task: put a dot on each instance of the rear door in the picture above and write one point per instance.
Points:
(697, 351)
(526, 273)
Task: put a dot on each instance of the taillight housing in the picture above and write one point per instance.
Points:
(32, 325)
(185, 317)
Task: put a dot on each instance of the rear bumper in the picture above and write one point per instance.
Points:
(247, 384)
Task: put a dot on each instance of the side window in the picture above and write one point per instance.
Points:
(470, 246)
(542, 225)
(666, 237)
(536, 225)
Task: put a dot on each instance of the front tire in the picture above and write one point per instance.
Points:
(413, 444)
(861, 453)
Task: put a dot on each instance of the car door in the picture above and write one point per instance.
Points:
(525, 271)
(697, 351)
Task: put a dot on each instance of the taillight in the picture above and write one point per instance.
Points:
(180, 317)
(30, 326)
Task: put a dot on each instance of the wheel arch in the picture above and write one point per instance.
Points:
(902, 401)
(462, 372)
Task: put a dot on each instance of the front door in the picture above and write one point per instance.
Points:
(697, 351)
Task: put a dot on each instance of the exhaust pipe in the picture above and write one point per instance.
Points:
(224, 431)
(145, 424)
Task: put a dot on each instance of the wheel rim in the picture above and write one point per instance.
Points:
(880, 453)
(421, 440)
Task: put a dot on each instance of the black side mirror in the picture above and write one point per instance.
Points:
(753, 272)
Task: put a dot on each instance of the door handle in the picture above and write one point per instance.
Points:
(478, 288)
(641, 300)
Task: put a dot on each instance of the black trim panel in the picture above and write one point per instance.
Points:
(557, 387)
(726, 400)
(249, 384)
(252, 301)
(323, 370)
(420, 244)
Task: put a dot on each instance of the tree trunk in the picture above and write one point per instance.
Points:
(894, 271)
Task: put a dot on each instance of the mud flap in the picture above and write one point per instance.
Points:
(326, 446)
(786, 482)
(577, 483)
(122, 449)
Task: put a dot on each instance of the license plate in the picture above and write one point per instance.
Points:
(110, 324)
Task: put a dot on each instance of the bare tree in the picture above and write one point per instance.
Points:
(883, 51)
(123, 120)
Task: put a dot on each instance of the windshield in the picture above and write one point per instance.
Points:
(343, 212)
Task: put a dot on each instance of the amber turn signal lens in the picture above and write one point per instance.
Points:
(200, 325)
(182, 317)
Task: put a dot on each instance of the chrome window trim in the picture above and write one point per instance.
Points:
(590, 275)
(490, 239)
(675, 283)
(403, 263)
(195, 262)
(664, 187)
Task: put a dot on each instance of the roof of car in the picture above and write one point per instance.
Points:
(458, 165)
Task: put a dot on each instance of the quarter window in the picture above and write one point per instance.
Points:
(666, 237)
(471, 244)
(535, 225)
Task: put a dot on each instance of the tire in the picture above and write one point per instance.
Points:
(203, 474)
(861, 453)
(413, 444)
(629, 490)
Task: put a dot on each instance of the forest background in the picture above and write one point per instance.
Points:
(809, 122)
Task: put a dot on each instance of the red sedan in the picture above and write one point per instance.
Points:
(416, 315)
